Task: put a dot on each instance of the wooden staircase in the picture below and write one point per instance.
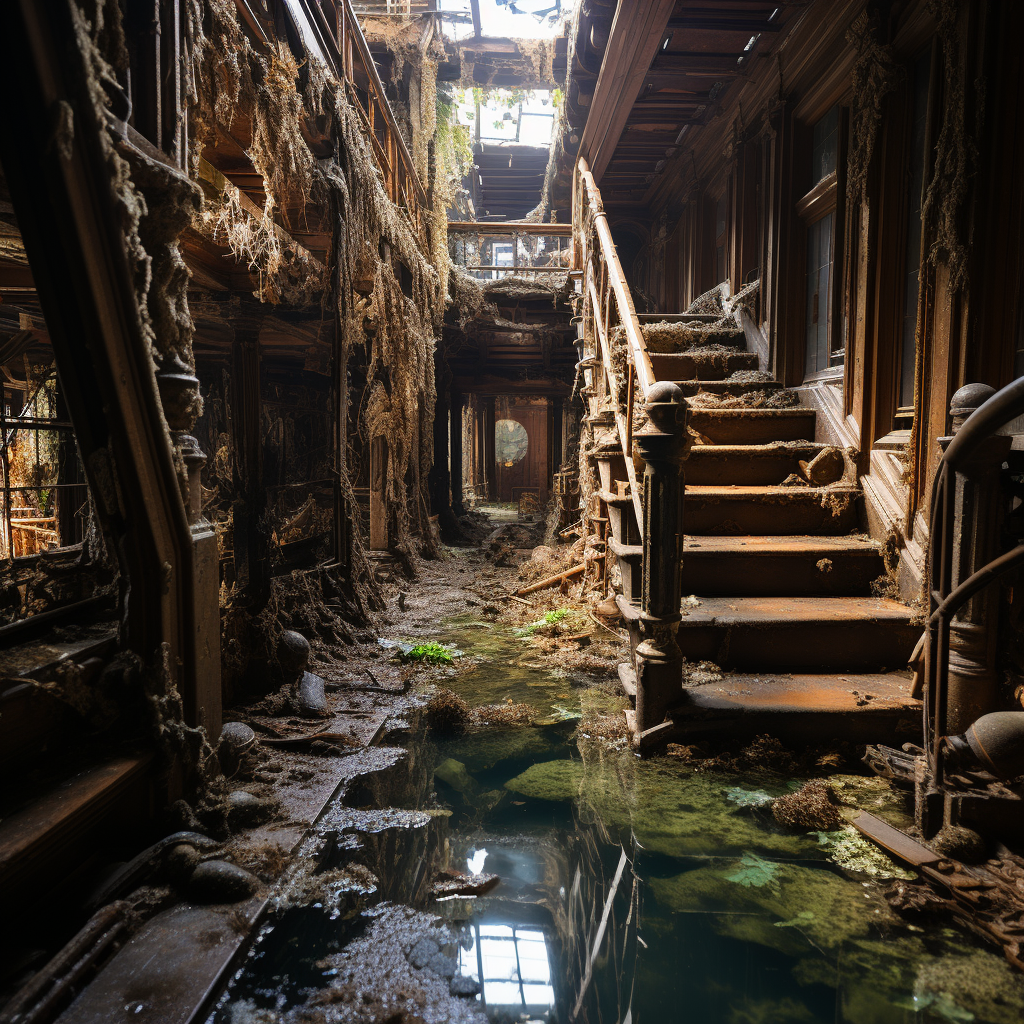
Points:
(776, 580)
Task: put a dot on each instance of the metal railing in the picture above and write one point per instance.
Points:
(492, 250)
(945, 600)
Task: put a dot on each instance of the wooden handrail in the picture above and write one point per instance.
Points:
(639, 357)
(604, 283)
(508, 227)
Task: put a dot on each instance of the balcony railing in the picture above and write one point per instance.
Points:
(488, 251)
(331, 33)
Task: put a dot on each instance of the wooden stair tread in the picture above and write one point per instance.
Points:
(844, 693)
(774, 545)
(52, 824)
(764, 490)
(625, 550)
(797, 611)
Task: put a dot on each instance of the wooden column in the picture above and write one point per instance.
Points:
(663, 446)
(251, 542)
(490, 463)
(455, 453)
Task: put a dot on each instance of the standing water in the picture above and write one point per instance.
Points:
(631, 891)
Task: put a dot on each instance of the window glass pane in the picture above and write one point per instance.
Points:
(825, 146)
(819, 305)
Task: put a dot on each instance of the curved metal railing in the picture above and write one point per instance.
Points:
(943, 599)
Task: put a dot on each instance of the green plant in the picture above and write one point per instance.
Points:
(431, 652)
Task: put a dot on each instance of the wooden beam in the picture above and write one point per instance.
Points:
(636, 34)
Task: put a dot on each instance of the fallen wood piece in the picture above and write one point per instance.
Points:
(550, 581)
(457, 883)
(521, 600)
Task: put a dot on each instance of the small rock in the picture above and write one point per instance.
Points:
(443, 966)
(401, 601)
(423, 952)
(312, 698)
(292, 653)
(959, 843)
(245, 809)
(237, 741)
(180, 861)
(825, 468)
(463, 986)
(218, 881)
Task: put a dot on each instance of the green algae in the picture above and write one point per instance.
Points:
(756, 872)
(673, 810)
(552, 780)
(748, 797)
(453, 773)
(771, 1011)
(824, 908)
(851, 851)
(483, 750)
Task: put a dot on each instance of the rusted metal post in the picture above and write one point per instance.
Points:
(977, 516)
(490, 459)
(663, 445)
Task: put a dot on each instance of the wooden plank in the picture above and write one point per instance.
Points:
(636, 34)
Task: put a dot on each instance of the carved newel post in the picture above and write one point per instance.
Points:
(977, 520)
(663, 445)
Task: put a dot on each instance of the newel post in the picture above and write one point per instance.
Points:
(663, 444)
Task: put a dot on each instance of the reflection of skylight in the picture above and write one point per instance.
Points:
(506, 19)
(475, 860)
(512, 965)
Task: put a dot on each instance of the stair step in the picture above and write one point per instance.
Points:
(781, 511)
(754, 426)
(727, 386)
(861, 708)
(751, 566)
(42, 842)
(747, 463)
(698, 364)
(795, 634)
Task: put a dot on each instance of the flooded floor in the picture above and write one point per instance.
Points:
(631, 891)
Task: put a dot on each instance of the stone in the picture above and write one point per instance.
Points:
(312, 698)
(237, 742)
(959, 843)
(219, 881)
(423, 952)
(453, 773)
(552, 780)
(827, 467)
(292, 654)
(443, 966)
(180, 861)
(245, 809)
(462, 986)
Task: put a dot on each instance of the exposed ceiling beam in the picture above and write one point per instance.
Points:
(635, 36)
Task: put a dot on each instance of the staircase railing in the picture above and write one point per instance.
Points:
(963, 538)
(617, 369)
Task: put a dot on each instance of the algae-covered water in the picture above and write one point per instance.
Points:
(647, 891)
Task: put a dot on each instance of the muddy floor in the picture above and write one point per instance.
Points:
(506, 857)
